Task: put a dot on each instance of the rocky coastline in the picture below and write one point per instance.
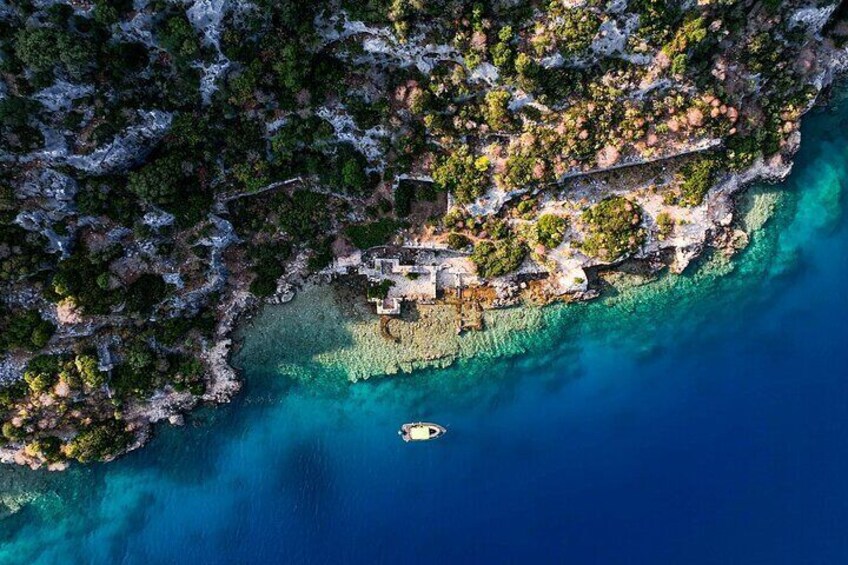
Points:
(485, 226)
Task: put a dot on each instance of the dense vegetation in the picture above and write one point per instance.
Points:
(694, 180)
(551, 230)
(613, 228)
(24, 329)
(498, 258)
(151, 164)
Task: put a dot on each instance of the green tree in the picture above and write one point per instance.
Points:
(353, 175)
(613, 229)
(26, 330)
(108, 12)
(575, 29)
(178, 37)
(696, 178)
(665, 225)
(289, 64)
(496, 110)
(158, 182)
(495, 259)
(462, 174)
(13, 433)
(252, 174)
(39, 382)
(346, 170)
(75, 53)
(36, 48)
(87, 367)
(99, 442)
(551, 230)
(15, 112)
(502, 52)
(139, 357)
(458, 241)
(656, 19)
(47, 448)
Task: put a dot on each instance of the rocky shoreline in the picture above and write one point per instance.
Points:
(239, 306)
(510, 197)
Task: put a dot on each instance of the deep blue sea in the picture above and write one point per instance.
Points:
(702, 419)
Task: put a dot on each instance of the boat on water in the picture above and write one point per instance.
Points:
(421, 431)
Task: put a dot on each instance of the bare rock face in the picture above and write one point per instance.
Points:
(730, 241)
(161, 406)
(40, 222)
(285, 293)
(55, 190)
(223, 383)
(683, 256)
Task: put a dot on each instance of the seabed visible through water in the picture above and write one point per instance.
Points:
(695, 419)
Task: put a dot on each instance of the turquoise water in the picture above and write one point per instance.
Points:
(700, 419)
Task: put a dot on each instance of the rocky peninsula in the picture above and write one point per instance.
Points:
(168, 167)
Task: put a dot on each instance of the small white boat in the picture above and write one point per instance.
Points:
(421, 431)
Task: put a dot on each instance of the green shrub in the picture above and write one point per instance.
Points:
(495, 259)
(76, 278)
(145, 293)
(99, 442)
(169, 332)
(551, 229)
(404, 197)
(463, 175)
(742, 151)
(26, 330)
(367, 114)
(373, 234)
(526, 206)
(458, 241)
(268, 262)
(128, 381)
(178, 37)
(15, 125)
(665, 225)
(613, 229)
(696, 178)
(497, 228)
(575, 30)
(322, 254)
(16, 111)
(87, 367)
(304, 216)
(379, 290)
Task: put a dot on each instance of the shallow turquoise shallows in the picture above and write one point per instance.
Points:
(701, 419)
